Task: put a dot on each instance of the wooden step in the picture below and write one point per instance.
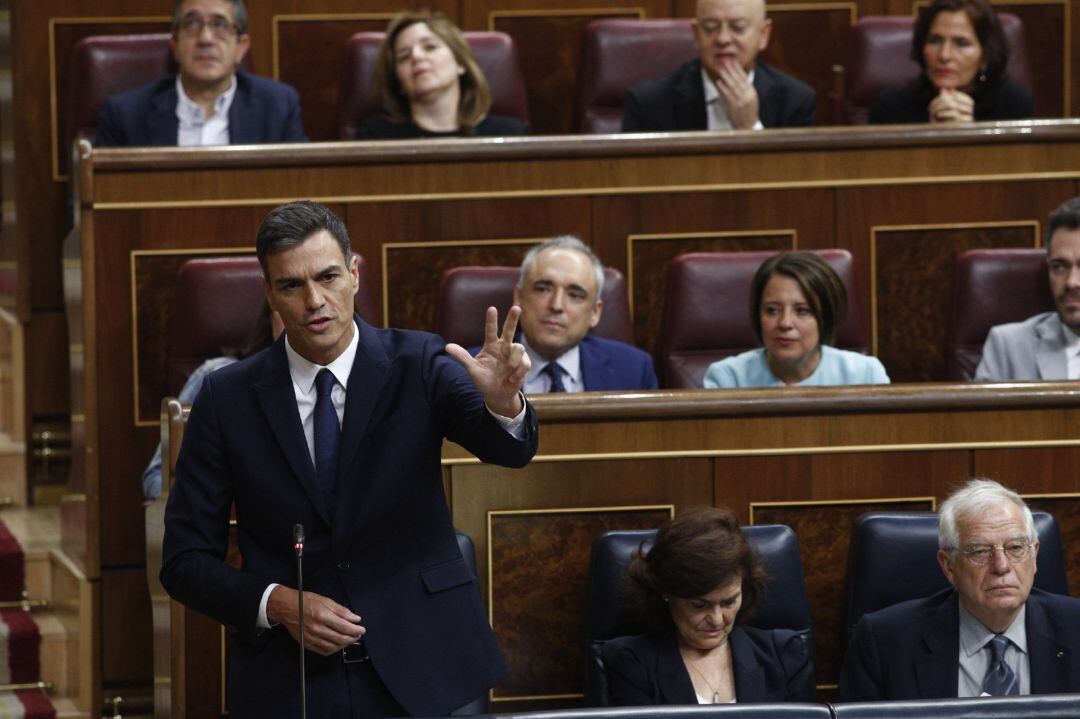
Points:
(12, 470)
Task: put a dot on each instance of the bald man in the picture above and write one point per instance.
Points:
(726, 88)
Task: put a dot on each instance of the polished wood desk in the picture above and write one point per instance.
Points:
(904, 202)
(812, 458)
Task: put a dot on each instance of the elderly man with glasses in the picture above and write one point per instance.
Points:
(208, 102)
(990, 634)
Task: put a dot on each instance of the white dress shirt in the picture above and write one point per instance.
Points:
(195, 128)
(715, 107)
(539, 382)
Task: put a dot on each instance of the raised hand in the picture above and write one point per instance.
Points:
(328, 626)
(739, 95)
(499, 370)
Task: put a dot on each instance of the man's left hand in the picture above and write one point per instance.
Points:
(499, 370)
(739, 95)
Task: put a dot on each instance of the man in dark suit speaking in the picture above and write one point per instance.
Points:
(208, 102)
(990, 634)
(339, 427)
(726, 88)
(559, 292)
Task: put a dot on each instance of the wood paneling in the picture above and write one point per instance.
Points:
(1046, 46)
(539, 570)
(912, 275)
(127, 656)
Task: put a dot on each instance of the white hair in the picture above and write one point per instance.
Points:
(975, 498)
(565, 242)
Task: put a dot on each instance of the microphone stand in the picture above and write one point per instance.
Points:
(298, 545)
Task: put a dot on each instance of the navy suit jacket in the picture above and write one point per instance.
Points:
(911, 650)
(610, 366)
(262, 111)
(385, 548)
(769, 665)
(677, 101)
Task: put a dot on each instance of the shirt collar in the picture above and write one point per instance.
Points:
(974, 635)
(190, 112)
(303, 371)
(569, 361)
(1072, 340)
(711, 93)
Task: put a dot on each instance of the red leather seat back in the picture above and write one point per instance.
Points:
(218, 301)
(465, 293)
(495, 52)
(879, 57)
(706, 316)
(101, 66)
(992, 287)
(618, 54)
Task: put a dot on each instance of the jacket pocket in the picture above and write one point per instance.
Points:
(447, 575)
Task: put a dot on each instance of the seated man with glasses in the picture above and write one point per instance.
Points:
(208, 102)
(1046, 346)
(990, 634)
(727, 87)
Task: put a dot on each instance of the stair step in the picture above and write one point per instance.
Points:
(12, 470)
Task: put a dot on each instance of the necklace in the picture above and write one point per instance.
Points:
(715, 691)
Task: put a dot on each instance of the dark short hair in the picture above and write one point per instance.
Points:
(475, 99)
(694, 553)
(239, 12)
(1066, 216)
(987, 28)
(818, 280)
(290, 225)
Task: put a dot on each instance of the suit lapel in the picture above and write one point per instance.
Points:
(596, 373)
(936, 671)
(764, 84)
(1050, 350)
(672, 677)
(690, 99)
(749, 676)
(275, 392)
(366, 379)
(242, 119)
(162, 125)
(1048, 658)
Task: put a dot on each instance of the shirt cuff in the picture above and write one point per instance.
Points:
(261, 622)
(514, 427)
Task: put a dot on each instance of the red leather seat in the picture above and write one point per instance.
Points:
(879, 57)
(992, 287)
(218, 300)
(618, 54)
(495, 52)
(465, 293)
(105, 65)
(706, 316)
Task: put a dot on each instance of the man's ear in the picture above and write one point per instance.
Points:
(597, 309)
(946, 566)
(766, 33)
(517, 295)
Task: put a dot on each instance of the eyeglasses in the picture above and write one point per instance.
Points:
(982, 554)
(221, 27)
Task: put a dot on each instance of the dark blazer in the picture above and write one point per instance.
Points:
(262, 111)
(610, 366)
(379, 128)
(770, 666)
(911, 650)
(677, 101)
(903, 105)
(385, 548)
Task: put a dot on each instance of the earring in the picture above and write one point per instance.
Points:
(982, 74)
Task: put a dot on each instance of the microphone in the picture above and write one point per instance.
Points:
(298, 547)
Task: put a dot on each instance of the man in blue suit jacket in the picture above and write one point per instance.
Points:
(339, 427)
(559, 294)
(944, 645)
(208, 102)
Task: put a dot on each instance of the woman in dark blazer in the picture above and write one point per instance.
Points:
(428, 84)
(693, 588)
(961, 49)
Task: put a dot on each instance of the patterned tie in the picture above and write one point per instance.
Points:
(1000, 679)
(555, 371)
(327, 434)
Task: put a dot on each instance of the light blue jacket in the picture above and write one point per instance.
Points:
(837, 367)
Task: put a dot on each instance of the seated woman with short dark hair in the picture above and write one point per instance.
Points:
(428, 84)
(961, 49)
(797, 305)
(693, 589)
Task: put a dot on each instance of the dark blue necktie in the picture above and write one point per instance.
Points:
(555, 371)
(1000, 678)
(327, 434)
